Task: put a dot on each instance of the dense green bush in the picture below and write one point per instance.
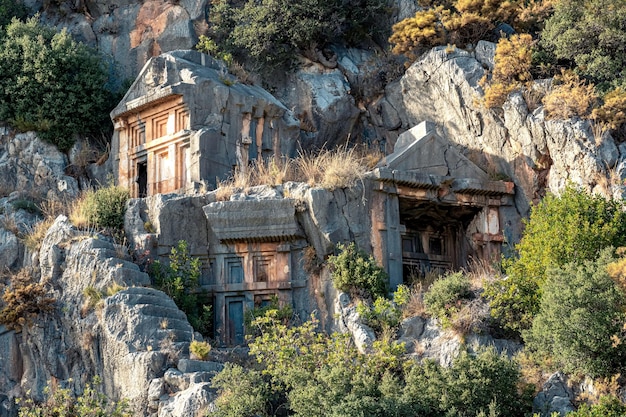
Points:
(608, 406)
(242, 392)
(284, 314)
(591, 35)
(385, 314)
(569, 228)
(52, 84)
(61, 403)
(103, 208)
(473, 384)
(180, 278)
(306, 373)
(10, 9)
(354, 271)
(582, 309)
(444, 297)
(271, 32)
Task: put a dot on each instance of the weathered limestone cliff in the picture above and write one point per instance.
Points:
(539, 155)
(137, 339)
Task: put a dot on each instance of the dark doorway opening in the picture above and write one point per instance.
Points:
(142, 179)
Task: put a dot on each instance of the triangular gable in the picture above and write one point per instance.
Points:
(420, 150)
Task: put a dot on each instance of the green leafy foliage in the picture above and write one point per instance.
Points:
(569, 228)
(10, 9)
(470, 386)
(283, 314)
(242, 392)
(61, 403)
(107, 206)
(385, 314)
(608, 406)
(444, 297)
(307, 373)
(354, 271)
(180, 280)
(582, 311)
(591, 35)
(103, 208)
(270, 32)
(52, 84)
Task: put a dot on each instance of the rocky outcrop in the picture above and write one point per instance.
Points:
(516, 141)
(29, 164)
(349, 321)
(555, 397)
(131, 32)
(426, 339)
(129, 338)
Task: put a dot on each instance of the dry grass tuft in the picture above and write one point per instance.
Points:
(572, 97)
(479, 271)
(532, 370)
(35, 235)
(332, 169)
(471, 318)
(415, 305)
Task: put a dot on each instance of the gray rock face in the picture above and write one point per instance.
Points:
(539, 156)
(324, 105)
(129, 31)
(425, 339)
(349, 321)
(28, 164)
(129, 338)
(555, 397)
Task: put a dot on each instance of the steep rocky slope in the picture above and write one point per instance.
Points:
(137, 339)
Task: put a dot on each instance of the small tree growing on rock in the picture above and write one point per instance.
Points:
(581, 314)
(358, 273)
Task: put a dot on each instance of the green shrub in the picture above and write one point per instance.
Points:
(590, 35)
(103, 208)
(307, 373)
(180, 279)
(241, 392)
(385, 314)
(61, 403)
(271, 32)
(608, 406)
(26, 205)
(444, 297)
(572, 227)
(473, 384)
(283, 314)
(52, 84)
(10, 9)
(353, 271)
(582, 310)
(200, 349)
